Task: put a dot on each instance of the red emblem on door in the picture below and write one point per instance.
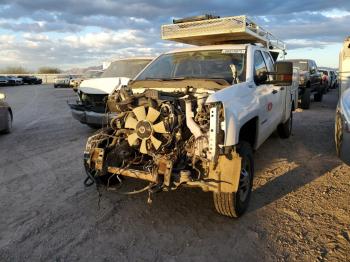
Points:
(269, 106)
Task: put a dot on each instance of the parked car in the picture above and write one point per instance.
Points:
(4, 81)
(326, 79)
(310, 81)
(30, 80)
(334, 79)
(194, 116)
(62, 81)
(329, 77)
(92, 93)
(6, 115)
(14, 80)
(342, 119)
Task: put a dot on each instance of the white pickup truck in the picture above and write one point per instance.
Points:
(194, 116)
(90, 108)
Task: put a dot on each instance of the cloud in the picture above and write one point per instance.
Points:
(69, 32)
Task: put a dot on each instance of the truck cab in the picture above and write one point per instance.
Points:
(193, 117)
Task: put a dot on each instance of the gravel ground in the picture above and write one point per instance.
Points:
(299, 208)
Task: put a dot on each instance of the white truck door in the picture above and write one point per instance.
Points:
(282, 94)
(272, 110)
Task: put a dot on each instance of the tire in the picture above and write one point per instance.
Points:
(9, 123)
(305, 99)
(338, 134)
(285, 130)
(318, 97)
(325, 88)
(235, 204)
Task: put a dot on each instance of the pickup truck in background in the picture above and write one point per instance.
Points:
(310, 81)
(90, 108)
(62, 81)
(193, 117)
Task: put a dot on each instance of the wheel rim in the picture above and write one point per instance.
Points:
(338, 134)
(244, 182)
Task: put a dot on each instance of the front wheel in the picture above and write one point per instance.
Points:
(9, 123)
(235, 204)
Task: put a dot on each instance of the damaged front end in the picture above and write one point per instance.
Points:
(90, 109)
(169, 139)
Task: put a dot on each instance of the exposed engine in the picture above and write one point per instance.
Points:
(166, 138)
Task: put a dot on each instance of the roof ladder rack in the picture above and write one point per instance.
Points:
(213, 30)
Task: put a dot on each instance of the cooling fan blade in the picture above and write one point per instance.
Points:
(132, 139)
(131, 123)
(143, 148)
(140, 113)
(152, 114)
(159, 128)
(156, 143)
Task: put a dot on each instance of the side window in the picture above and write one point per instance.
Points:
(269, 61)
(259, 63)
(313, 65)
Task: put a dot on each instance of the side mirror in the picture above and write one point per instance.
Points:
(261, 78)
(2, 96)
(283, 75)
(313, 70)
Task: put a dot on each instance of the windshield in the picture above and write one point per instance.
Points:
(301, 64)
(92, 74)
(125, 68)
(208, 64)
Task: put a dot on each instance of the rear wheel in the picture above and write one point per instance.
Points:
(285, 130)
(235, 204)
(318, 96)
(305, 99)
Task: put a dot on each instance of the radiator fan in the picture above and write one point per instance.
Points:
(145, 128)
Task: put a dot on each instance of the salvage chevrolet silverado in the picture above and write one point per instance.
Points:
(194, 116)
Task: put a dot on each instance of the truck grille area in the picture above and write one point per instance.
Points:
(94, 102)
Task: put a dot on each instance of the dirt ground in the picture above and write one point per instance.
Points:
(299, 211)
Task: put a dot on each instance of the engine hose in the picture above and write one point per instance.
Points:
(133, 192)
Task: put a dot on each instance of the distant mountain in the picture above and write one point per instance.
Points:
(80, 71)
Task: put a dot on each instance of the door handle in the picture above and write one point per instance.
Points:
(274, 91)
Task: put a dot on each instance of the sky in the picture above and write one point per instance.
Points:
(80, 33)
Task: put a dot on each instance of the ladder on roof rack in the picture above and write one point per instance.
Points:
(226, 30)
